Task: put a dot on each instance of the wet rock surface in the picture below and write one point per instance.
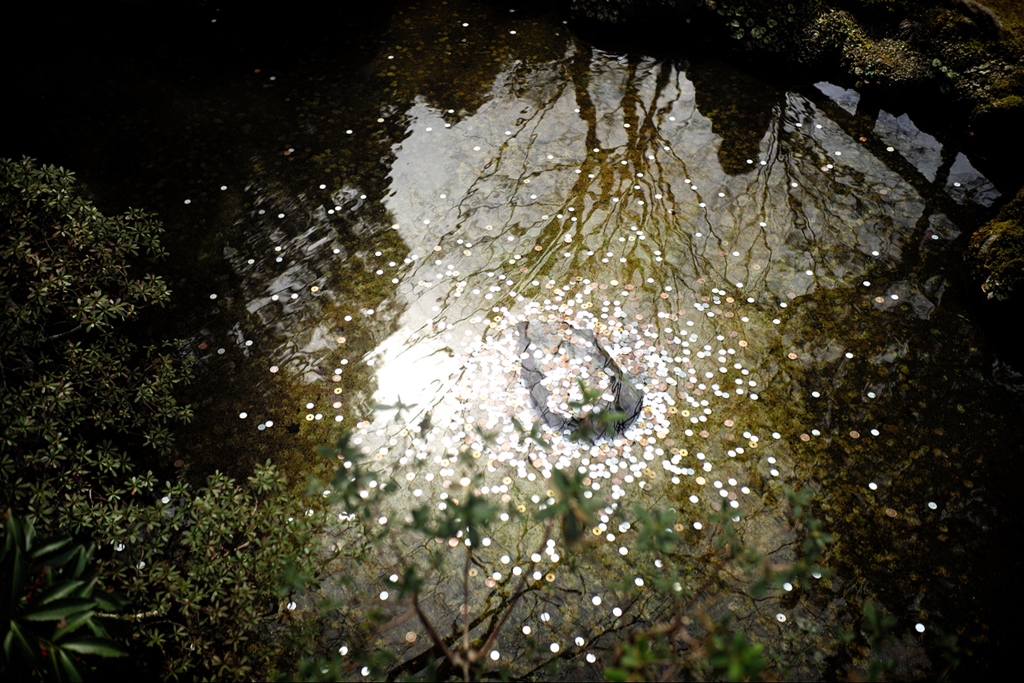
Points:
(558, 361)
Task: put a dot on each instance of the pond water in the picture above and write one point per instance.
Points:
(355, 239)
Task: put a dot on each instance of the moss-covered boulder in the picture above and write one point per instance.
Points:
(997, 251)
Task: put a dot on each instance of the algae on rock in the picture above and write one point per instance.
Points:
(997, 249)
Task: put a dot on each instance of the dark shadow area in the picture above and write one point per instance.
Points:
(91, 80)
(741, 109)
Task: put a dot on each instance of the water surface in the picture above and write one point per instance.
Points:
(777, 274)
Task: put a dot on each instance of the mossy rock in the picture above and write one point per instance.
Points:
(1008, 105)
(890, 62)
(828, 35)
(997, 250)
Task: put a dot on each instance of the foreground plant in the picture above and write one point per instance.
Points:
(50, 606)
(86, 412)
(475, 573)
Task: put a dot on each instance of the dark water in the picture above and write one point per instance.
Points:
(360, 210)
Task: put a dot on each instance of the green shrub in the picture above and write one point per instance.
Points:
(85, 420)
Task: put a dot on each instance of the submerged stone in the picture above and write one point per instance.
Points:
(550, 350)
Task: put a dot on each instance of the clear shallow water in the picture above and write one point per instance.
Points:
(770, 270)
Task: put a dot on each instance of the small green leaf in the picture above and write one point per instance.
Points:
(61, 590)
(50, 547)
(616, 675)
(72, 624)
(94, 646)
(60, 609)
(15, 636)
(107, 601)
(58, 560)
(63, 661)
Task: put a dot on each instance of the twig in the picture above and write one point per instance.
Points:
(520, 591)
(131, 617)
(398, 621)
(431, 631)
(465, 615)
